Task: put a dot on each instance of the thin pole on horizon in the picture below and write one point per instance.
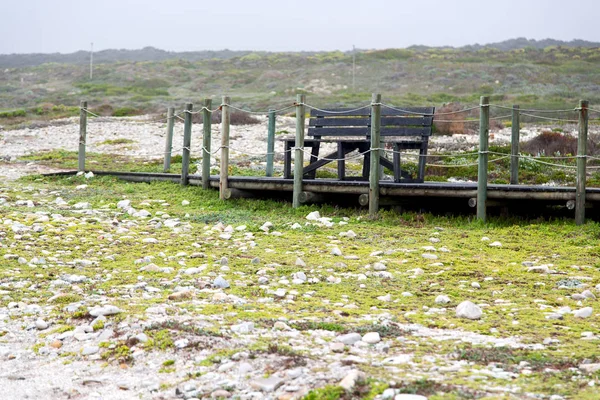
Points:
(92, 61)
(353, 68)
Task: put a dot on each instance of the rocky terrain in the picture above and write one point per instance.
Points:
(111, 290)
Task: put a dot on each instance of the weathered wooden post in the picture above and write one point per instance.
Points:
(581, 162)
(271, 143)
(514, 145)
(482, 171)
(224, 173)
(187, 143)
(82, 135)
(298, 153)
(206, 138)
(374, 172)
(169, 138)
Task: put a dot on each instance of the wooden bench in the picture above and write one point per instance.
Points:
(350, 130)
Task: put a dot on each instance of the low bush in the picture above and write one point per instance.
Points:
(236, 118)
(550, 143)
(13, 113)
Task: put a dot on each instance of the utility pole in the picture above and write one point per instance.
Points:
(353, 68)
(92, 61)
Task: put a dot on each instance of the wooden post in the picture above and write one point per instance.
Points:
(484, 132)
(169, 138)
(187, 142)
(514, 145)
(298, 153)
(82, 135)
(224, 173)
(206, 138)
(581, 162)
(374, 173)
(271, 143)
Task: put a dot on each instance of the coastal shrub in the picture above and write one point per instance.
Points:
(13, 113)
(236, 118)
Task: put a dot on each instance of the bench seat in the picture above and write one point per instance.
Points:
(350, 130)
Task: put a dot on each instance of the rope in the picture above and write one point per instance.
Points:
(550, 119)
(470, 120)
(263, 113)
(331, 111)
(539, 111)
(465, 165)
(89, 112)
(429, 115)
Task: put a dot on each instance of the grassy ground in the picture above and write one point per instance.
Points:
(515, 298)
(440, 168)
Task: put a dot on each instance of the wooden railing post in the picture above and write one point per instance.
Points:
(514, 145)
(581, 162)
(482, 171)
(374, 173)
(206, 138)
(82, 135)
(224, 172)
(169, 138)
(298, 153)
(187, 143)
(271, 143)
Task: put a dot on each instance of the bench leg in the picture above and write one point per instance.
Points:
(397, 165)
(341, 164)
(422, 160)
(287, 160)
(314, 156)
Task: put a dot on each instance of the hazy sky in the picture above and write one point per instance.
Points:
(48, 26)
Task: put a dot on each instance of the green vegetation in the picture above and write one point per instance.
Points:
(553, 77)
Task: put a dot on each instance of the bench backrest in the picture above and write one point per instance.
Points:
(411, 121)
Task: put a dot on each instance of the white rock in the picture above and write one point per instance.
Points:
(495, 244)
(41, 324)
(336, 252)
(124, 204)
(349, 338)
(313, 216)
(371, 338)
(442, 299)
(468, 310)
(429, 256)
(585, 312)
(185, 203)
(104, 310)
(150, 240)
(404, 396)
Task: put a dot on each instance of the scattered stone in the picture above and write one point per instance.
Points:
(268, 385)
(41, 324)
(371, 338)
(220, 393)
(349, 338)
(182, 295)
(495, 244)
(105, 310)
(185, 203)
(585, 312)
(220, 283)
(336, 251)
(313, 216)
(352, 379)
(404, 396)
(89, 350)
(442, 299)
(468, 310)
(429, 256)
(337, 347)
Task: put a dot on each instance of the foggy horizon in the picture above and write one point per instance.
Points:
(65, 26)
